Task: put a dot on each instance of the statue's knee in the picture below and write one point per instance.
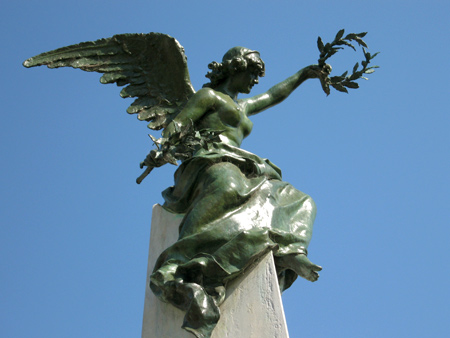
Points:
(224, 178)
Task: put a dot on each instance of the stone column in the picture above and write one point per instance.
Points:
(252, 307)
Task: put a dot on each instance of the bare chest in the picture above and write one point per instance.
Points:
(232, 115)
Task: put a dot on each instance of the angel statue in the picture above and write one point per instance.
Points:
(235, 205)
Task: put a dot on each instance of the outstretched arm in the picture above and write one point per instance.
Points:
(282, 90)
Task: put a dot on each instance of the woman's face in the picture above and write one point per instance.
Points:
(245, 81)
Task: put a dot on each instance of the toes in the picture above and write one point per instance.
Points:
(317, 268)
(313, 276)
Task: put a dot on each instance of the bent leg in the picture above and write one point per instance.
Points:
(223, 189)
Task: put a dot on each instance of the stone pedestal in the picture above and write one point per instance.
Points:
(252, 308)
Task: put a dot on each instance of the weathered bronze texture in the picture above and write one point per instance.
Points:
(236, 207)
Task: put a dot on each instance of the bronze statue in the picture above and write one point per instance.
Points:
(236, 207)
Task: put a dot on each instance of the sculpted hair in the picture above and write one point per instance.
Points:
(247, 60)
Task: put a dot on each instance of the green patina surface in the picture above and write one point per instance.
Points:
(236, 207)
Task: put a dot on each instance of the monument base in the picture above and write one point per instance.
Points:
(252, 307)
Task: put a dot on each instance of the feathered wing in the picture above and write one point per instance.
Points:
(153, 67)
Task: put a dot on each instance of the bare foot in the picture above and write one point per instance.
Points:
(301, 265)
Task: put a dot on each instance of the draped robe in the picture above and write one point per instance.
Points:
(236, 208)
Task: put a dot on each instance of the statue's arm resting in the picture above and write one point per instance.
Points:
(279, 92)
(201, 102)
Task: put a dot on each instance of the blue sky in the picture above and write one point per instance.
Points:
(75, 226)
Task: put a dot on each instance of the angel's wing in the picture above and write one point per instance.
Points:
(153, 66)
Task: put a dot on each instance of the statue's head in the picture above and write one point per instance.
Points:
(237, 59)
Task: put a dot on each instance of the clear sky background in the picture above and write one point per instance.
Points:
(75, 226)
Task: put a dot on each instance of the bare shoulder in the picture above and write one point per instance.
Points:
(208, 98)
(205, 93)
(202, 100)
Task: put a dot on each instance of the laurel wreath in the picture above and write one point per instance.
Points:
(341, 83)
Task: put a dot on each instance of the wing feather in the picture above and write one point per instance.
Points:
(152, 67)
